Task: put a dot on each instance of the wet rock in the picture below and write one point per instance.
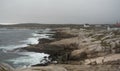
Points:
(5, 67)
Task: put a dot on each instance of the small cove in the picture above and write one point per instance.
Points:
(11, 39)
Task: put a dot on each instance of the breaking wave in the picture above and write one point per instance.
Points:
(31, 58)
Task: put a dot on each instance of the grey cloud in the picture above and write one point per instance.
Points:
(60, 11)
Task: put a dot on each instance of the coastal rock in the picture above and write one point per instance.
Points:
(5, 67)
(61, 34)
(112, 45)
(78, 55)
(108, 59)
(45, 40)
(44, 68)
(92, 67)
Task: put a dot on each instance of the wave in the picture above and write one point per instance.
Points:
(41, 35)
(3, 51)
(24, 43)
(35, 37)
(32, 40)
(31, 58)
(11, 47)
(27, 58)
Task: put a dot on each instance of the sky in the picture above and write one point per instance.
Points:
(59, 11)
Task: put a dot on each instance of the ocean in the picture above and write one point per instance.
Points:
(11, 39)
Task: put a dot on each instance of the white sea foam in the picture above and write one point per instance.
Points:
(11, 47)
(35, 37)
(32, 40)
(3, 50)
(32, 58)
(41, 35)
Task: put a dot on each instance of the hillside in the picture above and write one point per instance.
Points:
(37, 25)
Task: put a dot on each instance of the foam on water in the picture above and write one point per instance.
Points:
(35, 37)
(32, 40)
(41, 35)
(27, 58)
(31, 58)
(11, 47)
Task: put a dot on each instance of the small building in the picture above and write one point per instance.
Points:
(117, 24)
(86, 25)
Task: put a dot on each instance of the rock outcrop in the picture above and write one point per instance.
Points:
(78, 55)
(5, 67)
(44, 68)
(67, 47)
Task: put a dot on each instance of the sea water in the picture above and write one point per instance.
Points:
(11, 39)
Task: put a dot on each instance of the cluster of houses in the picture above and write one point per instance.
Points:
(107, 26)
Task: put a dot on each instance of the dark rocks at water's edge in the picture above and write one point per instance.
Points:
(56, 51)
(44, 40)
(68, 48)
(74, 57)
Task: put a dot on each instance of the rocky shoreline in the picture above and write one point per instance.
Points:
(80, 49)
(55, 50)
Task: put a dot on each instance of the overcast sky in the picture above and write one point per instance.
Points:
(60, 11)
